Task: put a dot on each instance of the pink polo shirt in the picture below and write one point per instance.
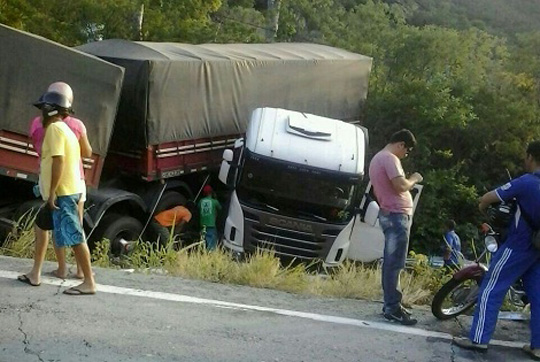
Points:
(37, 133)
(384, 167)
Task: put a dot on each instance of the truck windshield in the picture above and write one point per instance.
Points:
(298, 191)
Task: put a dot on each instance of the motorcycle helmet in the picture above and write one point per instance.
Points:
(501, 215)
(64, 89)
(52, 103)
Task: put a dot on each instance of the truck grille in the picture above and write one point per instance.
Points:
(313, 241)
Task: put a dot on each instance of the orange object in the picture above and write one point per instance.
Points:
(173, 216)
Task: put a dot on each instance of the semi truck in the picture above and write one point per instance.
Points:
(297, 190)
(296, 182)
(160, 115)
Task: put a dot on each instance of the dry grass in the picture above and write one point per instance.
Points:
(264, 270)
(20, 241)
(261, 269)
(350, 280)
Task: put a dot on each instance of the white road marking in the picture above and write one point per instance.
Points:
(284, 312)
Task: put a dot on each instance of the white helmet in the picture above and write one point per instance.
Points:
(63, 89)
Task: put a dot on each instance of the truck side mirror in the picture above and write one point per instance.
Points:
(225, 166)
(228, 155)
(372, 213)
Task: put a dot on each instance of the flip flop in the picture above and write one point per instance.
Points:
(75, 291)
(24, 279)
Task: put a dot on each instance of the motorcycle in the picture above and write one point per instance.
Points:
(460, 293)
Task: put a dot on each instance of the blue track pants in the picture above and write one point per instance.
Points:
(509, 263)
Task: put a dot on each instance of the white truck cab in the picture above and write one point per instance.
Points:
(295, 183)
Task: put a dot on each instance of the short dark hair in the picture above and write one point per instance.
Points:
(533, 149)
(451, 224)
(404, 135)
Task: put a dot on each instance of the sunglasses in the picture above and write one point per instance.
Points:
(409, 149)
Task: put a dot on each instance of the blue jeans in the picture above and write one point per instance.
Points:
(211, 238)
(396, 228)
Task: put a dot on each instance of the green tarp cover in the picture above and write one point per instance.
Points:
(174, 92)
(29, 63)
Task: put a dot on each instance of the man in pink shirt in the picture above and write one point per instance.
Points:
(391, 189)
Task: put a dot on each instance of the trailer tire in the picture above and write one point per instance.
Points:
(115, 227)
(169, 200)
(157, 234)
(28, 208)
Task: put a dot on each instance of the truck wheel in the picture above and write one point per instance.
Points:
(155, 232)
(28, 208)
(169, 200)
(115, 227)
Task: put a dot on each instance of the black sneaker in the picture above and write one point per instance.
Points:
(401, 316)
(466, 343)
(534, 353)
(405, 310)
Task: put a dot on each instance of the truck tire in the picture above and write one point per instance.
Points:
(29, 208)
(169, 200)
(157, 234)
(115, 227)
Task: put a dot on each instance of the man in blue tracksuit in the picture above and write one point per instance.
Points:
(516, 258)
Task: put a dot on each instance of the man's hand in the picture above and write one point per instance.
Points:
(402, 184)
(487, 199)
(416, 177)
(51, 202)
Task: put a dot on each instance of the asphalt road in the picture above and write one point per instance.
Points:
(142, 317)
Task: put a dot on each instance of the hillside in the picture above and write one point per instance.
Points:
(501, 17)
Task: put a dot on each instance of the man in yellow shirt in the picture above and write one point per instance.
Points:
(61, 187)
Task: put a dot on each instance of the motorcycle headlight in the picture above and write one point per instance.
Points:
(491, 243)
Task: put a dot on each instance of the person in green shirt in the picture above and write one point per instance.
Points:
(208, 209)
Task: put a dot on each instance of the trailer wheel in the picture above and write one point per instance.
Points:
(28, 208)
(169, 200)
(115, 227)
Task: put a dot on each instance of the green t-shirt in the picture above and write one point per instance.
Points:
(208, 208)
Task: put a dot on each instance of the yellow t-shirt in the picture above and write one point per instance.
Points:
(61, 141)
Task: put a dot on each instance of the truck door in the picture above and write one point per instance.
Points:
(367, 238)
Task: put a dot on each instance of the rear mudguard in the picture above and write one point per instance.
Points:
(473, 271)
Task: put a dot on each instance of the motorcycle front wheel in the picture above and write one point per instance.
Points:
(455, 298)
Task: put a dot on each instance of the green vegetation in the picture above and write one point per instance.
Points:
(463, 76)
(501, 17)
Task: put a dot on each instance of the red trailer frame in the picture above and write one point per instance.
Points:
(19, 159)
(172, 159)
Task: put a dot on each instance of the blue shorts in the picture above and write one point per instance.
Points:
(67, 225)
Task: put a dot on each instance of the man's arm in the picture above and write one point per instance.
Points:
(84, 144)
(487, 199)
(402, 184)
(56, 174)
